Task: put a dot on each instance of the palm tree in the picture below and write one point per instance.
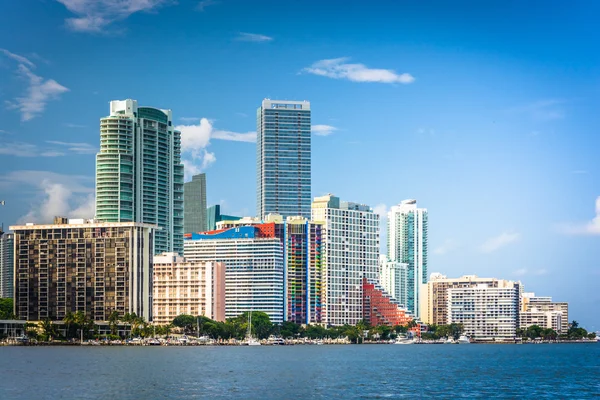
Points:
(113, 322)
(68, 320)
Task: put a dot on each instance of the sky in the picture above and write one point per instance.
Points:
(487, 113)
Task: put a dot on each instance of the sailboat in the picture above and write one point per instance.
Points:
(250, 340)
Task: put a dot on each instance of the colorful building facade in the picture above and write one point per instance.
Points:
(379, 308)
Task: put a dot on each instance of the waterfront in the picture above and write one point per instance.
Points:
(352, 371)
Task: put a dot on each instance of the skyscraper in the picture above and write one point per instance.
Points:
(350, 253)
(194, 204)
(78, 265)
(6, 264)
(407, 244)
(139, 175)
(283, 175)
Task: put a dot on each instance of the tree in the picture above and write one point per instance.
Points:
(48, 329)
(574, 324)
(69, 320)
(6, 309)
(592, 335)
(185, 321)
(113, 322)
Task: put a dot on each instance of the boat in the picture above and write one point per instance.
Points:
(319, 342)
(153, 342)
(250, 340)
(449, 341)
(275, 341)
(464, 339)
(401, 339)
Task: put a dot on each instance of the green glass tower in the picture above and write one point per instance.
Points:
(139, 174)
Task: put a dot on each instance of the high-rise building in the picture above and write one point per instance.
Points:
(487, 313)
(79, 265)
(350, 253)
(530, 303)
(302, 248)
(254, 268)
(194, 204)
(139, 175)
(392, 277)
(6, 264)
(283, 157)
(185, 287)
(213, 215)
(407, 244)
(434, 294)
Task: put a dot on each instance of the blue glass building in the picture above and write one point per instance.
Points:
(283, 158)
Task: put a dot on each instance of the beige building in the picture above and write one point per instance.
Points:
(544, 312)
(187, 287)
(434, 294)
(82, 265)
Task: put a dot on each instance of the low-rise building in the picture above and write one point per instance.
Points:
(186, 287)
(79, 265)
(530, 303)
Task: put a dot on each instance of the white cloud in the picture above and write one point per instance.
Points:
(542, 110)
(205, 3)
(525, 271)
(189, 119)
(18, 58)
(590, 228)
(323, 130)
(520, 272)
(196, 138)
(54, 194)
(447, 246)
(95, 15)
(74, 147)
(253, 37)
(498, 242)
(22, 149)
(74, 126)
(338, 68)
(39, 92)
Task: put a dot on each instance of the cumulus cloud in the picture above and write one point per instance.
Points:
(590, 228)
(497, 242)
(339, 68)
(53, 194)
(323, 130)
(196, 138)
(95, 15)
(253, 37)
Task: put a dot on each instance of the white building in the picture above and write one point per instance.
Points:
(351, 237)
(254, 275)
(530, 303)
(139, 174)
(392, 276)
(186, 287)
(544, 319)
(487, 313)
(407, 244)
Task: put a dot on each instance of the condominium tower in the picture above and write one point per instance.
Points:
(283, 146)
(254, 272)
(554, 315)
(194, 205)
(350, 253)
(407, 244)
(185, 287)
(78, 265)
(139, 175)
(6, 264)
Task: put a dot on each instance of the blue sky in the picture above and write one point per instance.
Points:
(487, 114)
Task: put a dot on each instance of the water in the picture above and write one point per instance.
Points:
(286, 372)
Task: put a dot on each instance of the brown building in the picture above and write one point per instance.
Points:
(79, 265)
(187, 287)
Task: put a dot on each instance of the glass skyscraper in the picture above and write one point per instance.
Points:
(407, 244)
(139, 175)
(283, 158)
(194, 205)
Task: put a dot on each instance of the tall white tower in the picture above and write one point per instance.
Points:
(407, 244)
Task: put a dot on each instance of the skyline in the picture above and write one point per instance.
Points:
(496, 126)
